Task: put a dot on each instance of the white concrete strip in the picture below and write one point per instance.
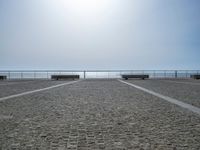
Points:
(38, 90)
(169, 99)
(180, 82)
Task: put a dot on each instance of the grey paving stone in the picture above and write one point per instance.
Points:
(95, 115)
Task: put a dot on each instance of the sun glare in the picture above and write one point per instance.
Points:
(85, 6)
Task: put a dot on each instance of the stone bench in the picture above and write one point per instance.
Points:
(3, 77)
(138, 76)
(64, 77)
(195, 76)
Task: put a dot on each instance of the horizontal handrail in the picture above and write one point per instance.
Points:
(36, 74)
(87, 70)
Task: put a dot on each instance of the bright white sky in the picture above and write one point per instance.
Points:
(99, 34)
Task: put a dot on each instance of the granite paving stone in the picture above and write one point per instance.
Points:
(96, 115)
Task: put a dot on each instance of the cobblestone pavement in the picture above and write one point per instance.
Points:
(182, 80)
(188, 93)
(9, 82)
(14, 87)
(95, 115)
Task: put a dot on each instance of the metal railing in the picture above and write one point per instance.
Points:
(87, 74)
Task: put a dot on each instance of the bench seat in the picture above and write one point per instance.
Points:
(139, 76)
(195, 76)
(64, 77)
(3, 77)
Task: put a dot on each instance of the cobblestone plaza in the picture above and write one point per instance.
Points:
(98, 114)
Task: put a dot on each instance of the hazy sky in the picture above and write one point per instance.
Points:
(99, 34)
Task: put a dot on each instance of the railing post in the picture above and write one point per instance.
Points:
(176, 73)
(84, 74)
(34, 75)
(9, 75)
(186, 74)
(21, 75)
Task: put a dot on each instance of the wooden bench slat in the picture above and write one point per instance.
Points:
(140, 76)
(195, 76)
(57, 77)
(3, 77)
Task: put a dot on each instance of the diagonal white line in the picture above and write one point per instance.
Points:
(169, 99)
(38, 90)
